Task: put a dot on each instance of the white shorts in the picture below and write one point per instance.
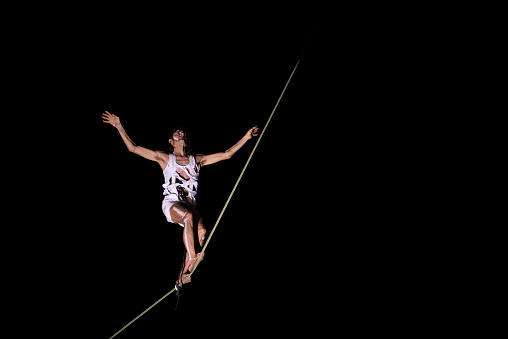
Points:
(170, 200)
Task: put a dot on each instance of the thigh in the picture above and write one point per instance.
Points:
(180, 211)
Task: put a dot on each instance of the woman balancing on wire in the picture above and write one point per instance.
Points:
(181, 172)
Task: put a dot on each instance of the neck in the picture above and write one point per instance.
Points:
(179, 152)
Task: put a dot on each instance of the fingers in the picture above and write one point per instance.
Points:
(108, 117)
(254, 131)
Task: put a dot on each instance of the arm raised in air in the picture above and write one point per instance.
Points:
(146, 153)
(204, 160)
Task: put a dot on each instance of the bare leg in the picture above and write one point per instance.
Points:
(201, 232)
(182, 276)
(191, 235)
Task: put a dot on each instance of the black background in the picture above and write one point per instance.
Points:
(321, 230)
(217, 71)
(304, 242)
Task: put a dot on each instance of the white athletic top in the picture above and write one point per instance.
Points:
(173, 179)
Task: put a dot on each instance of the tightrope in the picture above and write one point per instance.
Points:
(230, 195)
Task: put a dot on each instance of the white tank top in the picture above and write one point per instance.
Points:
(173, 179)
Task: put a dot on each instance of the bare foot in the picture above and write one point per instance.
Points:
(189, 265)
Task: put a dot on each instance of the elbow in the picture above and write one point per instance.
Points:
(132, 149)
(227, 155)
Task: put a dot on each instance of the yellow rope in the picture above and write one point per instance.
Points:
(243, 170)
(148, 309)
(223, 209)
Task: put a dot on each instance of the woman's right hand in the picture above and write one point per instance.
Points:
(109, 118)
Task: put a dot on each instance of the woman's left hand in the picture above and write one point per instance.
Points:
(253, 132)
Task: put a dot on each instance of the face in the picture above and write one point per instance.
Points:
(177, 138)
(178, 135)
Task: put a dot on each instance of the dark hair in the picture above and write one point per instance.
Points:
(187, 149)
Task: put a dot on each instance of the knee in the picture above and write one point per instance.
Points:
(201, 235)
(187, 219)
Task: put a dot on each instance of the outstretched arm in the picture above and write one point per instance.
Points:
(144, 152)
(213, 158)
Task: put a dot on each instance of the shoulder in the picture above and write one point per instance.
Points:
(161, 155)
